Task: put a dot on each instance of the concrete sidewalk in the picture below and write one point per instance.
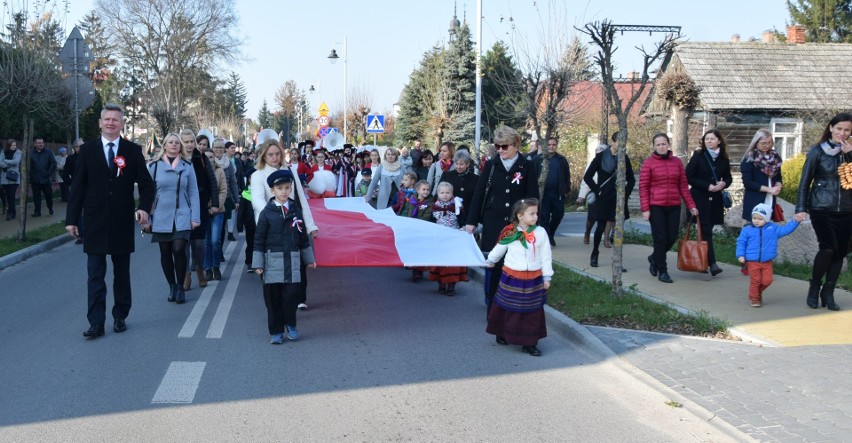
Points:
(783, 320)
(9, 228)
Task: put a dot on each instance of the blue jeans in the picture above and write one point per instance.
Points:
(213, 241)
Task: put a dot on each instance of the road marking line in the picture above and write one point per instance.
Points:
(180, 382)
(191, 324)
(217, 326)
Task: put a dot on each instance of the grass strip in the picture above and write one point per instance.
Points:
(9, 245)
(589, 301)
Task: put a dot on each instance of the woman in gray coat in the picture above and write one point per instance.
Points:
(10, 168)
(388, 177)
(176, 210)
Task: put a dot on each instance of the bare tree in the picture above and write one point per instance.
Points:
(682, 95)
(31, 83)
(360, 102)
(550, 65)
(169, 41)
(602, 35)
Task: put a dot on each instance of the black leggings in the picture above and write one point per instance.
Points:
(832, 232)
(173, 260)
(599, 230)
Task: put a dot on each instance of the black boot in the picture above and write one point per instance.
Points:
(593, 261)
(180, 296)
(813, 295)
(172, 292)
(827, 296)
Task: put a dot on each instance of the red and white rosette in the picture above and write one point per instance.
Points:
(121, 163)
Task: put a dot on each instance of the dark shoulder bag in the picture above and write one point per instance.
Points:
(726, 196)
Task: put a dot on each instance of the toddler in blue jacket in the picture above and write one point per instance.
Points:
(757, 246)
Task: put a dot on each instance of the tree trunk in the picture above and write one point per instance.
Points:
(680, 132)
(25, 175)
(618, 229)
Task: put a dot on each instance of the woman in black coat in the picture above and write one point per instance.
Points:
(605, 166)
(761, 173)
(830, 207)
(709, 173)
(506, 178)
(463, 180)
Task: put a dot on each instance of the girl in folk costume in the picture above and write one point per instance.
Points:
(419, 206)
(445, 211)
(516, 315)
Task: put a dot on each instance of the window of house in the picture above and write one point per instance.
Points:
(788, 136)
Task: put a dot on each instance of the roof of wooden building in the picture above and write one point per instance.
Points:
(766, 76)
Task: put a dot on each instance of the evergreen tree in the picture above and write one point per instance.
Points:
(501, 90)
(460, 88)
(827, 21)
(235, 93)
(422, 114)
(264, 116)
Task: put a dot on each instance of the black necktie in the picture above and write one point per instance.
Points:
(111, 157)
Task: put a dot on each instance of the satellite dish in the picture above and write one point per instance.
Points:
(266, 134)
(333, 141)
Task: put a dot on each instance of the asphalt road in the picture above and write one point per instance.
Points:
(380, 358)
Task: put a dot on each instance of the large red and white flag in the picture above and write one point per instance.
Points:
(353, 234)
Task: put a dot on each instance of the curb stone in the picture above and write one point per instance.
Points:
(31, 251)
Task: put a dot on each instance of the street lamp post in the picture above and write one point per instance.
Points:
(333, 58)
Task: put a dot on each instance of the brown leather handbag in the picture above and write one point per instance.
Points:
(692, 254)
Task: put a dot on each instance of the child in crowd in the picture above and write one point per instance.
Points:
(280, 238)
(445, 211)
(757, 246)
(419, 206)
(406, 190)
(517, 314)
(364, 184)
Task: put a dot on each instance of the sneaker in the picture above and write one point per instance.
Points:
(249, 271)
(755, 303)
(277, 339)
(303, 307)
(292, 333)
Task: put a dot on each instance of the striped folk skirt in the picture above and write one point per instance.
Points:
(517, 313)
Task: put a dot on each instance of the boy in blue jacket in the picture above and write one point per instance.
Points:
(757, 246)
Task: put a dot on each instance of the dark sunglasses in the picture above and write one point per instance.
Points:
(502, 147)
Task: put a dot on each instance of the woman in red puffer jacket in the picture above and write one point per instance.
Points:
(662, 185)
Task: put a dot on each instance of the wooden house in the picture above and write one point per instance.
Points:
(745, 86)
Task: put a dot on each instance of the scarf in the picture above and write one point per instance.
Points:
(511, 233)
(830, 148)
(222, 162)
(173, 162)
(417, 204)
(9, 154)
(713, 153)
(445, 165)
(769, 163)
(391, 167)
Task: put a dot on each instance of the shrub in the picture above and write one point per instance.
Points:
(791, 173)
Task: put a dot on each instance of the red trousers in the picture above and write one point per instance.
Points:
(760, 275)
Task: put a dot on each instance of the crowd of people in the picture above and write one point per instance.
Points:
(196, 191)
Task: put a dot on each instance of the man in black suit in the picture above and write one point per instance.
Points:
(102, 190)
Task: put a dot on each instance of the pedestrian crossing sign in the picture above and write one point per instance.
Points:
(375, 124)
